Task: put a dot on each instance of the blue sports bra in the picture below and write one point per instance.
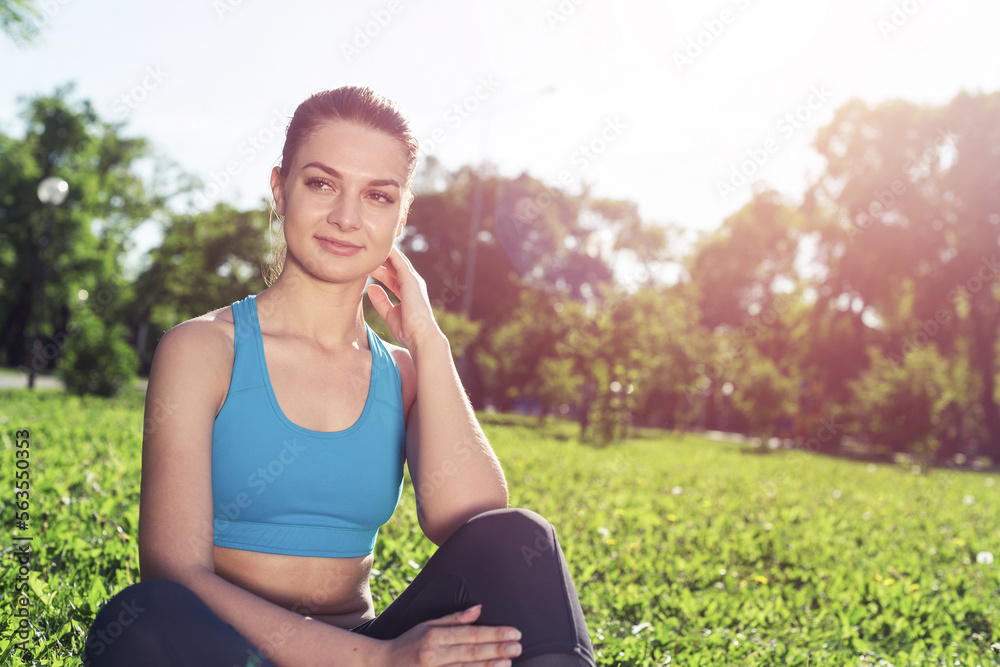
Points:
(283, 489)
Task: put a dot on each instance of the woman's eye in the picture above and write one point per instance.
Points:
(319, 183)
(381, 197)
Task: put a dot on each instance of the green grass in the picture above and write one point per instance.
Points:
(684, 551)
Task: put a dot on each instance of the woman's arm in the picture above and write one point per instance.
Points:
(454, 470)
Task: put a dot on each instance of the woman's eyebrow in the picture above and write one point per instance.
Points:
(377, 182)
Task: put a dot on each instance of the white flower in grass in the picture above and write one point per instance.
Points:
(969, 499)
(636, 629)
(984, 558)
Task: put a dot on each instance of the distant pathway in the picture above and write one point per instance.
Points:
(11, 379)
(17, 380)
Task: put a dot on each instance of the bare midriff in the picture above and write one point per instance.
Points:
(331, 590)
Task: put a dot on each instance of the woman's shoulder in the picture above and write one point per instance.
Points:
(399, 354)
(212, 328)
(201, 346)
(407, 372)
(193, 362)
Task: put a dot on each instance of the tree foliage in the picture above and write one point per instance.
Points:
(875, 301)
(48, 255)
(97, 359)
(20, 20)
(911, 198)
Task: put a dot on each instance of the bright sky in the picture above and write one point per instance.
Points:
(656, 102)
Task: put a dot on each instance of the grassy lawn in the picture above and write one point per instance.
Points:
(684, 551)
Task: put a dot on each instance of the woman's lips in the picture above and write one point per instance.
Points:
(337, 247)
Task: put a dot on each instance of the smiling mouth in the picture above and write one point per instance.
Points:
(343, 244)
(337, 247)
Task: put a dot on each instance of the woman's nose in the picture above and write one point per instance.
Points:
(345, 212)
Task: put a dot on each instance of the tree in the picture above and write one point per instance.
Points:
(741, 266)
(530, 236)
(905, 406)
(909, 202)
(76, 248)
(97, 360)
(761, 393)
(750, 295)
(19, 19)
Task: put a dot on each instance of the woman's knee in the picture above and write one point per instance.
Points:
(135, 614)
(520, 532)
(511, 521)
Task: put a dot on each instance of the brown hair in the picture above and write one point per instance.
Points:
(350, 103)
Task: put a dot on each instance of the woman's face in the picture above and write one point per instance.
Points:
(342, 201)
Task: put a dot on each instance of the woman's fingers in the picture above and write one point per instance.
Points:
(459, 617)
(399, 265)
(400, 257)
(387, 278)
(474, 644)
(452, 640)
(413, 317)
(380, 300)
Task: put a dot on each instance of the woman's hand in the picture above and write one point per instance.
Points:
(412, 319)
(453, 640)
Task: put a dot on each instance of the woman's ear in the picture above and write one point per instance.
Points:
(407, 200)
(278, 191)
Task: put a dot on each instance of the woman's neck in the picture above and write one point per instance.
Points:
(329, 313)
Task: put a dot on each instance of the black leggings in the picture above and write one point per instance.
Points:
(507, 560)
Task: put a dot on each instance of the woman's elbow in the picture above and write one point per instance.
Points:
(439, 527)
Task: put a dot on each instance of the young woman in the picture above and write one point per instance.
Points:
(274, 444)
